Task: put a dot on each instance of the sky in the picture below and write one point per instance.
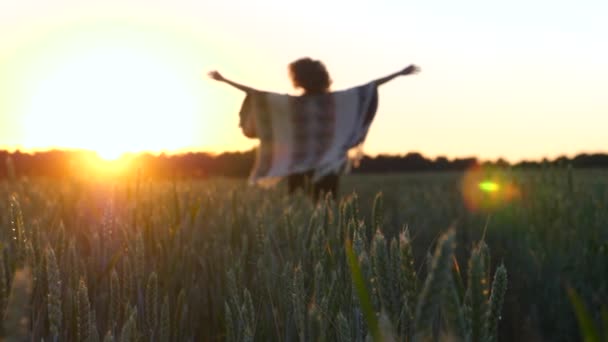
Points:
(517, 80)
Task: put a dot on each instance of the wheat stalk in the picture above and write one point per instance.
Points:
(477, 294)
(499, 288)
(430, 296)
(53, 293)
(83, 317)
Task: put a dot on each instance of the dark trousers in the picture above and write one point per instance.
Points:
(303, 181)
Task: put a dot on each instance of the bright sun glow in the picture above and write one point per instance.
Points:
(111, 99)
(109, 154)
(97, 166)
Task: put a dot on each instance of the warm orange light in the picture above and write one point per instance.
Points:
(101, 165)
(110, 93)
(484, 189)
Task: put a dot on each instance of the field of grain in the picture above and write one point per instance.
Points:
(404, 257)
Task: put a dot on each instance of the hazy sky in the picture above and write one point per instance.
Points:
(516, 79)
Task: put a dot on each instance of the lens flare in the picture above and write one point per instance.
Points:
(488, 189)
(489, 186)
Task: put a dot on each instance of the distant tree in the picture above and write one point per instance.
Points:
(61, 164)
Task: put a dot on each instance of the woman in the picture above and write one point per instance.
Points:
(312, 79)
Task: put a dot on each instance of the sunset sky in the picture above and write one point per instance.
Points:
(516, 79)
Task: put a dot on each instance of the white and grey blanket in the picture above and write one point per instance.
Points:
(304, 133)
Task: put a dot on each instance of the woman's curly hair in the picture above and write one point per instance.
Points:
(309, 75)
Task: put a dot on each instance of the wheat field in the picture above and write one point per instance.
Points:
(400, 257)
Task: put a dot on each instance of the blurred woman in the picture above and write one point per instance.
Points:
(306, 138)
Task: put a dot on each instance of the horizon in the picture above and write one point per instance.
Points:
(156, 154)
(519, 81)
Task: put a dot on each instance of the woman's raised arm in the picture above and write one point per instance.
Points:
(218, 77)
(411, 69)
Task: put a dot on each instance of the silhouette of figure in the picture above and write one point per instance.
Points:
(312, 79)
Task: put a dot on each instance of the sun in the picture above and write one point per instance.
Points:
(111, 97)
(100, 166)
(109, 154)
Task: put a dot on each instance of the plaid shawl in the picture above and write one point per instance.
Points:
(304, 133)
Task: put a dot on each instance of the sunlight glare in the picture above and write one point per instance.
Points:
(99, 166)
(112, 100)
(109, 154)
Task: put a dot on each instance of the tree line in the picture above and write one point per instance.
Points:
(61, 164)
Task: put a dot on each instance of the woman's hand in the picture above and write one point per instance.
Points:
(216, 76)
(410, 70)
